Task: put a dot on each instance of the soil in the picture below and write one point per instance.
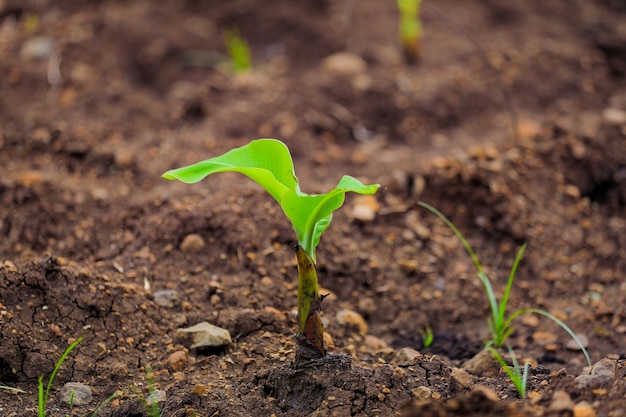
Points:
(512, 123)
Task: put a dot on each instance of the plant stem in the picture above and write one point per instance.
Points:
(310, 338)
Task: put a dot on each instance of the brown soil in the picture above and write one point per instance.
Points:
(127, 90)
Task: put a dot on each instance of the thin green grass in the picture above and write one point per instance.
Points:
(13, 390)
(43, 392)
(150, 403)
(517, 375)
(500, 325)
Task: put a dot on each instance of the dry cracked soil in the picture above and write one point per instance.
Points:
(512, 123)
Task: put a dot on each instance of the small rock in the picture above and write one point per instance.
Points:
(614, 116)
(367, 305)
(561, 401)
(584, 409)
(8, 266)
(353, 319)
(328, 341)
(119, 370)
(29, 178)
(39, 47)
(572, 191)
(462, 379)
(165, 298)
(375, 343)
(422, 393)
(192, 243)
(530, 320)
(344, 63)
(177, 360)
(601, 372)
(76, 393)
(406, 354)
(544, 338)
(204, 335)
(267, 281)
(481, 364)
(573, 345)
(364, 208)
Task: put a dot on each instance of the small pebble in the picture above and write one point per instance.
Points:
(367, 305)
(530, 320)
(421, 393)
(406, 354)
(39, 47)
(482, 363)
(461, 378)
(614, 116)
(543, 338)
(177, 360)
(353, 319)
(364, 208)
(76, 393)
(602, 372)
(561, 401)
(192, 243)
(204, 334)
(584, 409)
(119, 370)
(374, 343)
(165, 298)
(344, 63)
(267, 281)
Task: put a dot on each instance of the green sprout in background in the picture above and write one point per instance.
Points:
(268, 162)
(410, 27)
(500, 325)
(238, 51)
(427, 337)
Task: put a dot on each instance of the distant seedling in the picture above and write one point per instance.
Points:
(410, 27)
(238, 51)
(500, 325)
(427, 337)
(269, 163)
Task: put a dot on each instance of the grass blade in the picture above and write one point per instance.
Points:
(456, 231)
(564, 327)
(509, 283)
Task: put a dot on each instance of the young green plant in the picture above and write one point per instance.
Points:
(150, 404)
(268, 162)
(238, 51)
(43, 393)
(500, 325)
(410, 27)
(427, 336)
(517, 375)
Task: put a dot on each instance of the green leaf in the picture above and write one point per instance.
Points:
(269, 163)
(266, 161)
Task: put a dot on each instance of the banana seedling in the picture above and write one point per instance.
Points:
(410, 27)
(268, 162)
